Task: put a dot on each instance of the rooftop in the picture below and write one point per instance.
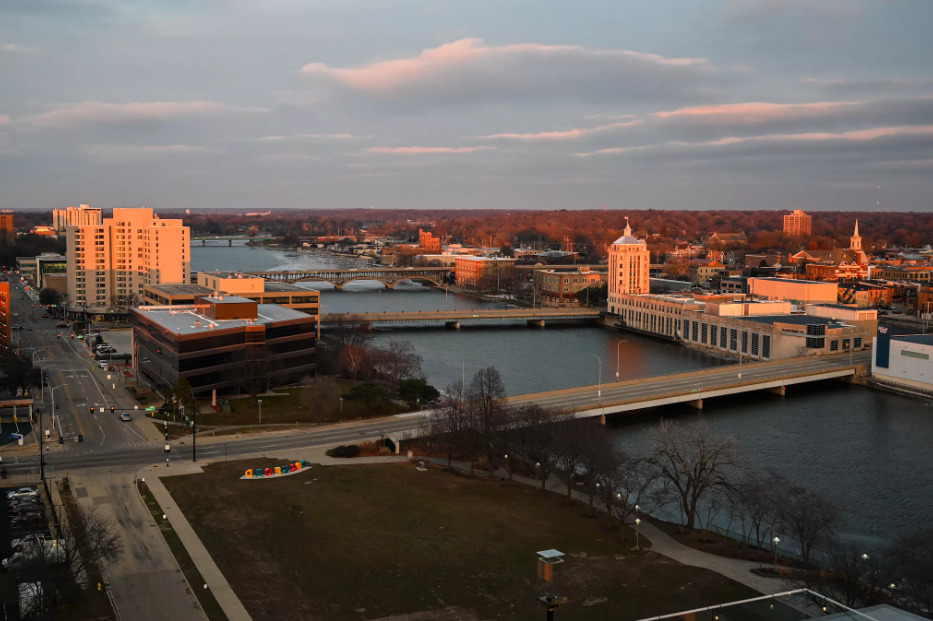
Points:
(797, 319)
(919, 339)
(186, 320)
(180, 289)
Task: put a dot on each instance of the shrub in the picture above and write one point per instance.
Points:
(389, 444)
(344, 450)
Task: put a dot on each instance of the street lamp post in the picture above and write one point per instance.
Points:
(775, 541)
(259, 401)
(52, 392)
(618, 358)
(599, 380)
(637, 541)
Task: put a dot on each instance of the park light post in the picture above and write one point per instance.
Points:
(637, 532)
(618, 357)
(259, 401)
(776, 541)
(599, 380)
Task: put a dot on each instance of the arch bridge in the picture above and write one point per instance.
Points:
(388, 276)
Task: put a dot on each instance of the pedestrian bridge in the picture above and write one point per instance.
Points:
(389, 276)
(456, 318)
(694, 388)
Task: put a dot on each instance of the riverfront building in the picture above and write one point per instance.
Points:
(759, 330)
(904, 361)
(75, 216)
(629, 266)
(798, 224)
(223, 343)
(111, 263)
(480, 272)
(801, 292)
(560, 286)
(6, 316)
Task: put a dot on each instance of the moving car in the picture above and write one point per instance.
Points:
(125, 416)
(103, 364)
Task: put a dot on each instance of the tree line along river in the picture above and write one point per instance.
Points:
(867, 451)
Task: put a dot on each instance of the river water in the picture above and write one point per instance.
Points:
(867, 451)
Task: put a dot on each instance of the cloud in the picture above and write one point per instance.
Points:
(106, 113)
(862, 135)
(115, 154)
(15, 49)
(426, 150)
(307, 137)
(4, 119)
(861, 87)
(471, 70)
(569, 134)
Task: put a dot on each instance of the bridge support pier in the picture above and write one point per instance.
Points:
(696, 404)
(452, 325)
(230, 243)
(778, 390)
(203, 243)
(538, 323)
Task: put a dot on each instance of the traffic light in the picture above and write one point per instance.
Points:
(92, 410)
(111, 409)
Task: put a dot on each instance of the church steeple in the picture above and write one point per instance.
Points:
(628, 230)
(855, 242)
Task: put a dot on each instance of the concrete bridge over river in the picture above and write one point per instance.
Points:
(389, 276)
(455, 318)
(695, 387)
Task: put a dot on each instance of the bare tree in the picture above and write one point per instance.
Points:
(352, 360)
(573, 442)
(396, 361)
(90, 544)
(486, 395)
(624, 484)
(691, 462)
(756, 500)
(450, 420)
(913, 571)
(535, 439)
(809, 517)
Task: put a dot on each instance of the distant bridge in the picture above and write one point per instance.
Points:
(694, 387)
(231, 238)
(455, 318)
(389, 276)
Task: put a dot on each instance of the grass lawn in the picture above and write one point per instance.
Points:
(364, 542)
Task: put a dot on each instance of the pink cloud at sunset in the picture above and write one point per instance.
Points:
(426, 150)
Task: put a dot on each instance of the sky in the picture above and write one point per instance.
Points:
(467, 104)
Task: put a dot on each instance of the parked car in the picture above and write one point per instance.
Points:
(25, 504)
(898, 312)
(29, 540)
(22, 492)
(61, 324)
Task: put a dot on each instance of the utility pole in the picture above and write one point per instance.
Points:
(41, 453)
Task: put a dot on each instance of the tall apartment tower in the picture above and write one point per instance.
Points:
(75, 216)
(798, 224)
(110, 263)
(7, 230)
(629, 263)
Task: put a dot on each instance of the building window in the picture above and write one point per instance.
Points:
(765, 346)
(815, 343)
(833, 345)
(704, 329)
(734, 340)
(713, 331)
(755, 344)
(696, 332)
(858, 342)
(744, 341)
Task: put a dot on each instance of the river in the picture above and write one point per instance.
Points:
(866, 450)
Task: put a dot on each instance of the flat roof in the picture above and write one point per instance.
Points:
(179, 289)
(186, 319)
(796, 280)
(842, 306)
(228, 299)
(798, 319)
(282, 287)
(919, 339)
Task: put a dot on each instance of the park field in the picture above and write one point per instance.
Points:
(374, 541)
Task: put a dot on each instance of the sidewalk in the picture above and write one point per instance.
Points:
(661, 543)
(213, 577)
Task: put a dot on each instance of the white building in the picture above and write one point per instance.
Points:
(75, 216)
(629, 264)
(110, 263)
(905, 360)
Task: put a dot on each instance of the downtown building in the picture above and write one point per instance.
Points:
(84, 215)
(111, 263)
(798, 224)
(223, 344)
(629, 266)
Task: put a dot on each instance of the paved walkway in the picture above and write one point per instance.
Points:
(661, 543)
(213, 577)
